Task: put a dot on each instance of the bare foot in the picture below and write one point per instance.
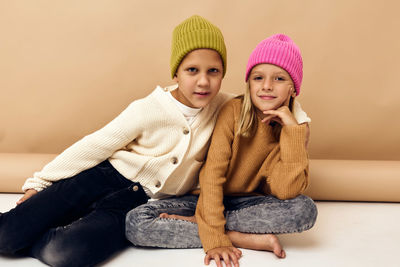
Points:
(178, 217)
(268, 242)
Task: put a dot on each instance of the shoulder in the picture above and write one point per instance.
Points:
(229, 114)
(144, 110)
(152, 100)
(227, 121)
(218, 101)
(223, 97)
(232, 107)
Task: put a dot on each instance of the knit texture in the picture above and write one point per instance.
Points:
(238, 165)
(281, 51)
(196, 33)
(150, 142)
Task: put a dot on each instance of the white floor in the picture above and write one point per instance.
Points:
(346, 234)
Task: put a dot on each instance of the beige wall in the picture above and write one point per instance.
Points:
(68, 67)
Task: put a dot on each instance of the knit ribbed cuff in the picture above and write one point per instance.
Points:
(30, 183)
(292, 143)
(211, 242)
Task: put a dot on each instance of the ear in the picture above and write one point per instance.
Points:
(287, 101)
(176, 79)
(293, 92)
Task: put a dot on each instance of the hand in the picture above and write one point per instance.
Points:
(227, 254)
(28, 194)
(282, 115)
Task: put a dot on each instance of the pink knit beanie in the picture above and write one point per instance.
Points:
(281, 51)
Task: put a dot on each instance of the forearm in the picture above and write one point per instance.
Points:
(289, 175)
(211, 225)
(210, 210)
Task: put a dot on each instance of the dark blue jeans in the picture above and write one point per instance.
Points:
(78, 221)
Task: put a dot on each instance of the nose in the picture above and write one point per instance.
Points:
(203, 80)
(267, 84)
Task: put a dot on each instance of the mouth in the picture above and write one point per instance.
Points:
(202, 93)
(267, 97)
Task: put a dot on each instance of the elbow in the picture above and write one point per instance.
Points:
(286, 195)
(289, 194)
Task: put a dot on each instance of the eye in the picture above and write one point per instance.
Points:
(257, 78)
(280, 78)
(191, 69)
(213, 70)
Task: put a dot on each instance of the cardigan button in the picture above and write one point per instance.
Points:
(185, 131)
(158, 184)
(135, 188)
(174, 160)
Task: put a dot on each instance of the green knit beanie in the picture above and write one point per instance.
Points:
(195, 33)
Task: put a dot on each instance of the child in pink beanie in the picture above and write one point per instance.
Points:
(255, 171)
(281, 51)
(257, 166)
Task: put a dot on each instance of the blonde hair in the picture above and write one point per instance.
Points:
(248, 116)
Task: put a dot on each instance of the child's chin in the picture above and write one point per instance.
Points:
(201, 104)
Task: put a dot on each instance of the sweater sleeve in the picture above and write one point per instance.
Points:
(210, 208)
(89, 151)
(288, 175)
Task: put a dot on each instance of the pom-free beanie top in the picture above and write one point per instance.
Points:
(196, 33)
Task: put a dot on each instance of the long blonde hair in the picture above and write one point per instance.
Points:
(248, 116)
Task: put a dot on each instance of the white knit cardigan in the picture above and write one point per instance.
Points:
(150, 142)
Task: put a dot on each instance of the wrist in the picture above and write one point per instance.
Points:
(292, 143)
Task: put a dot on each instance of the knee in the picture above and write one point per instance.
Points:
(54, 254)
(141, 217)
(137, 223)
(145, 228)
(62, 253)
(306, 212)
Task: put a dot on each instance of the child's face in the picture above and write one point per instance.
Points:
(199, 78)
(270, 87)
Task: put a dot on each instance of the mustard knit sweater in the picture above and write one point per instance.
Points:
(238, 166)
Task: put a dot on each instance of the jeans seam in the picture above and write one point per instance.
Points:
(170, 219)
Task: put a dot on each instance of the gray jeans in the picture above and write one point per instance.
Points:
(250, 214)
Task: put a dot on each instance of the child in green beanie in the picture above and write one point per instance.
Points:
(73, 211)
